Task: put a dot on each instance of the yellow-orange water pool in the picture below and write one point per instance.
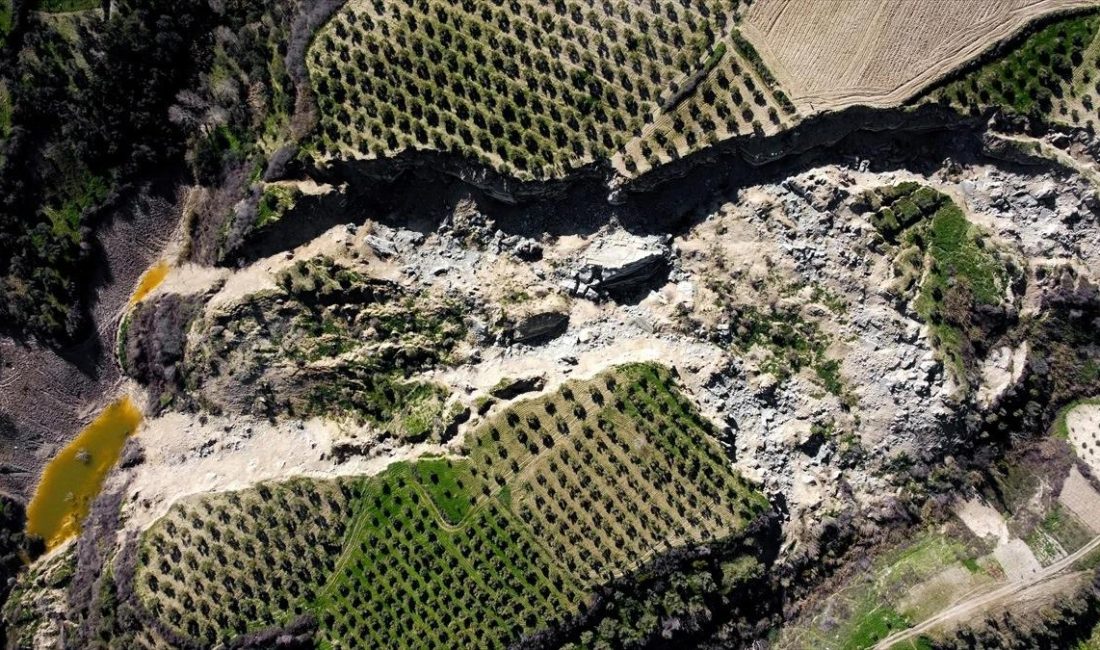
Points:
(149, 281)
(74, 477)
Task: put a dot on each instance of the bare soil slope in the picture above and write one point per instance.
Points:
(830, 54)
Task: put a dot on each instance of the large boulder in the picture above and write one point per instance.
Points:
(540, 326)
(512, 387)
(621, 263)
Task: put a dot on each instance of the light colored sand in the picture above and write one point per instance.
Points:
(999, 371)
(829, 54)
(1017, 559)
(982, 519)
(604, 353)
(940, 591)
(1082, 499)
(1015, 556)
(1083, 426)
(184, 457)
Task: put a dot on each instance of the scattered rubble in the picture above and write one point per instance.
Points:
(774, 309)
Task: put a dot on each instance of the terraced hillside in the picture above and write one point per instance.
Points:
(475, 551)
(534, 90)
(1052, 75)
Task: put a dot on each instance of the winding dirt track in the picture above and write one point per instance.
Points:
(980, 603)
(831, 54)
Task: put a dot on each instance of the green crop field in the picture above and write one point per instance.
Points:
(535, 89)
(1052, 75)
(552, 498)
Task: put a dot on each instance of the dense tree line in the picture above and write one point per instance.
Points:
(99, 104)
(1061, 624)
(719, 594)
(88, 116)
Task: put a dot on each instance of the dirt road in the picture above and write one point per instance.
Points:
(977, 604)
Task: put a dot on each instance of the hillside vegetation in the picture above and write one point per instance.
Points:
(474, 551)
(329, 341)
(1053, 75)
(945, 264)
(95, 108)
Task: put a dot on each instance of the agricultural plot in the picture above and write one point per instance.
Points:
(532, 89)
(1052, 75)
(831, 54)
(1060, 532)
(553, 497)
(737, 95)
(901, 587)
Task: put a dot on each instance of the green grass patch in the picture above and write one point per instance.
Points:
(828, 371)
(872, 605)
(78, 195)
(874, 626)
(447, 486)
(1091, 643)
(944, 257)
(275, 202)
(794, 342)
(61, 6)
(958, 253)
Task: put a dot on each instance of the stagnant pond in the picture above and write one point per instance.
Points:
(72, 480)
(152, 278)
